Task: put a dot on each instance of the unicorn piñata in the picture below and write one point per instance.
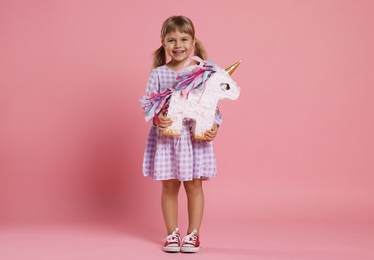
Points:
(195, 96)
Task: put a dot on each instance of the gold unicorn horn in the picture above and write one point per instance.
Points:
(230, 70)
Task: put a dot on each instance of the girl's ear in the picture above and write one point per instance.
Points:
(162, 43)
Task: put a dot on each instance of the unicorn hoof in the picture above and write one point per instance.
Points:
(201, 137)
(170, 133)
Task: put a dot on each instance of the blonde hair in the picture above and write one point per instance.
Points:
(184, 25)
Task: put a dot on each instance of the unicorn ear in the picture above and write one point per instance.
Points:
(232, 68)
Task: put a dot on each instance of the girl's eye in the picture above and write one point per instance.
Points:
(225, 86)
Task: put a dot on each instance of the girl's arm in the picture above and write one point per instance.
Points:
(211, 134)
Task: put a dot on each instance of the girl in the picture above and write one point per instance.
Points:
(178, 159)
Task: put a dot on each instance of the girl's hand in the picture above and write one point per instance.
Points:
(164, 121)
(211, 134)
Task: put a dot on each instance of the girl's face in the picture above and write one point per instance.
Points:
(178, 46)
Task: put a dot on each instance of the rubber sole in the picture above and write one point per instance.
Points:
(190, 249)
(171, 249)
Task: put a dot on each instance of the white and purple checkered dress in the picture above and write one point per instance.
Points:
(183, 157)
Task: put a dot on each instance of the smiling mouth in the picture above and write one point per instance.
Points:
(178, 52)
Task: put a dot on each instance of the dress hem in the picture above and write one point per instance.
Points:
(204, 178)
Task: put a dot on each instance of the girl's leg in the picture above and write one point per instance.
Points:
(195, 198)
(169, 203)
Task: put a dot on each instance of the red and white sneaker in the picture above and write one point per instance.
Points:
(173, 242)
(191, 243)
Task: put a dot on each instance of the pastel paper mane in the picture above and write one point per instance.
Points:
(195, 95)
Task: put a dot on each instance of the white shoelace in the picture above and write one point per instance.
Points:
(190, 237)
(173, 237)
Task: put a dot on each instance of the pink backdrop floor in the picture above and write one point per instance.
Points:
(278, 240)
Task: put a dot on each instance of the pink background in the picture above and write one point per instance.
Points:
(298, 144)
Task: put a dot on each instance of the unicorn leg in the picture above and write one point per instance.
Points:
(176, 127)
(201, 128)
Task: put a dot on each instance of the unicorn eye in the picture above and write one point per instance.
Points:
(225, 86)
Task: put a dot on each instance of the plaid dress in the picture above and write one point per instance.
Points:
(183, 157)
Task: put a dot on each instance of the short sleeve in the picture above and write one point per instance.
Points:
(153, 84)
